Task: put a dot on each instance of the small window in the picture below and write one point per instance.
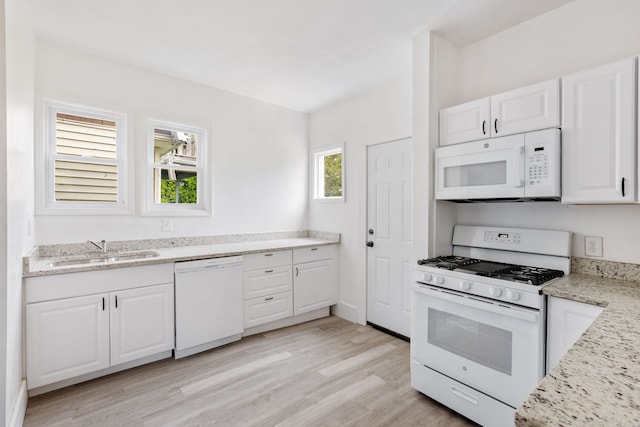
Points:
(328, 166)
(85, 166)
(177, 169)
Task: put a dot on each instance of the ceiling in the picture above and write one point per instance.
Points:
(299, 54)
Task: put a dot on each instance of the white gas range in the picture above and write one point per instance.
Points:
(479, 319)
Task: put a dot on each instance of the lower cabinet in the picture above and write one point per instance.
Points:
(314, 278)
(566, 322)
(275, 290)
(70, 337)
(66, 338)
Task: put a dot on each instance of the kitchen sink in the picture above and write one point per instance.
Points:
(102, 258)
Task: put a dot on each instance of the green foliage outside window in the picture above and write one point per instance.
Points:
(187, 190)
(333, 175)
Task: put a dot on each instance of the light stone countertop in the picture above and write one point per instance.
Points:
(37, 266)
(597, 383)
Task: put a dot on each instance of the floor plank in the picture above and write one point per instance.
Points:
(327, 372)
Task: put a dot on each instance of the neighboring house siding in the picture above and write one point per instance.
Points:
(85, 179)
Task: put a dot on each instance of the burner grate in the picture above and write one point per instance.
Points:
(448, 262)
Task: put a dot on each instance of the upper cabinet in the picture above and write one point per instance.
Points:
(521, 110)
(598, 134)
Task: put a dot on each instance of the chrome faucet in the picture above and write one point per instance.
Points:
(102, 247)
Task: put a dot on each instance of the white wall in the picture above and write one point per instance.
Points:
(259, 150)
(18, 152)
(579, 35)
(380, 114)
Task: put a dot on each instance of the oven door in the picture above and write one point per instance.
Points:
(493, 347)
(492, 169)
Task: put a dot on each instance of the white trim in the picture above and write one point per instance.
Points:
(45, 182)
(317, 185)
(346, 311)
(202, 168)
(16, 418)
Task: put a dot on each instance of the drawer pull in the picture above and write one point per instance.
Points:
(268, 298)
(314, 249)
(268, 271)
(464, 395)
(268, 254)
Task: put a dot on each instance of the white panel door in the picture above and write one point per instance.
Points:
(66, 338)
(389, 207)
(526, 109)
(598, 135)
(142, 322)
(465, 122)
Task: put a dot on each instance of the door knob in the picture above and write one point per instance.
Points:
(370, 243)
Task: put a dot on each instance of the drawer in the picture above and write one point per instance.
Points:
(266, 259)
(314, 253)
(267, 309)
(268, 281)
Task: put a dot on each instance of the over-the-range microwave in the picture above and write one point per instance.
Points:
(515, 167)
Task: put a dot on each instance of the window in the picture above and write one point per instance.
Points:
(177, 159)
(328, 167)
(85, 161)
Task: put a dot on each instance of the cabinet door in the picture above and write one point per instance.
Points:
(465, 122)
(141, 322)
(567, 321)
(66, 338)
(312, 286)
(526, 109)
(598, 135)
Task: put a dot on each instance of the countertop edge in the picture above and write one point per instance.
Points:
(36, 268)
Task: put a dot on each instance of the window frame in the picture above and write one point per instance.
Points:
(48, 205)
(202, 169)
(316, 166)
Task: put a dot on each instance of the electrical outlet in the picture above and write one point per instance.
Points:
(167, 224)
(593, 246)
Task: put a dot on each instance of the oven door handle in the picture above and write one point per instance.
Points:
(522, 314)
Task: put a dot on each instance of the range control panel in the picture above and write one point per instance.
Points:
(502, 237)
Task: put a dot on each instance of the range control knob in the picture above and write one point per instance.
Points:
(464, 285)
(438, 280)
(513, 295)
(495, 291)
(426, 277)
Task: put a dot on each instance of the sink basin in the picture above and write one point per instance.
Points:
(102, 258)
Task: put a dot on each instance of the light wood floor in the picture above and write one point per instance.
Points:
(328, 372)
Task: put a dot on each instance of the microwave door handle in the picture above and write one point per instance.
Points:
(521, 163)
(526, 315)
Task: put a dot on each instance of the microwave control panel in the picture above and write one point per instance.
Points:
(538, 166)
(542, 164)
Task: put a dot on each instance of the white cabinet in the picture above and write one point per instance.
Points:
(526, 109)
(66, 338)
(566, 322)
(465, 122)
(268, 287)
(73, 329)
(141, 322)
(315, 278)
(598, 134)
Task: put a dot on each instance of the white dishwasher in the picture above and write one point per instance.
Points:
(208, 304)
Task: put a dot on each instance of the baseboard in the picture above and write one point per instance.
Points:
(345, 311)
(288, 321)
(20, 407)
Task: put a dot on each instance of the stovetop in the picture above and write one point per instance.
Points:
(535, 276)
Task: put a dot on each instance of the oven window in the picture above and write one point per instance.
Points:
(491, 173)
(481, 343)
